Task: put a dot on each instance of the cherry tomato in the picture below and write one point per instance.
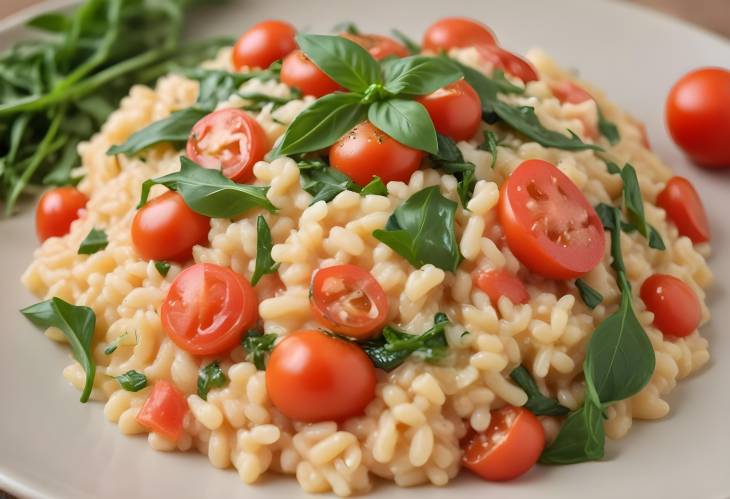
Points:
(698, 116)
(312, 376)
(207, 309)
(508, 62)
(456, 110)
(684, 207)
(164, 410)
(366, 151)
(56, 209)
(298, 71)
(348, 300)
(266, 42)
(456, 32)
(567, 91)
(500, 282)
(229, 140)
(509, 448)
(167, 229)
(549, 224)
(379, 46)
(675, 306)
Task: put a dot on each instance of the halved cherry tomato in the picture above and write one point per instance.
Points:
(298, 71)
(509, 448)
(164, 410)
(312, 376)
(549, 224)
(167, 229)
(499, 282)
(379, 46)
(366, 151)
(508, 62)
(56, 209)
(229, 140)
(698, 116)
(456, 32)
(684, 207)
(207, 309)
(456, 110)
(675, 306)
(567, 91)
(348, 300)
(266, 42)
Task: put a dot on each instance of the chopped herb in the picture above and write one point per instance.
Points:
(162, 267)
(590, 296)
(132, 381)
(211, 376)
(264, 263)
(607, 128)
(375, 187)
(95, 241)
(258, 346)
(450, 160)
(112, 347)
(490, 145)
(323, 182)
(537, 403)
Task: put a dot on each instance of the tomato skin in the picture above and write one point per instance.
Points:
(208, 308)
(215, 142)
(379, 46)
(567, 91)
(499, 282)
(55, 211)
(698, 116)
(456, 32)
(456, 110)
(366, 151)
(298, 71)
(264, 43)
(508, 62)
(539, 209)
(167, 229)
(522, 442)
(684, 207)
(312, 376)
(164, 410)
(676, 308)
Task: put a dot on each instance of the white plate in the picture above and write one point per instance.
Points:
(51, 445)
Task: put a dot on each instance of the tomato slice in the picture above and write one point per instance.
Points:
(499, 282)
(676, 308)
(207, 309)
(549, 224)
(509, 448)
(164, 410)
(348, 300)
(229, 140)
(684, 207)
(508, 62)
(379, 46)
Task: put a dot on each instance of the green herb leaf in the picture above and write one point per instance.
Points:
(162, 267)
(112, 347)
(613, 168)
(211, 376)
(175, 129)
(632, 200)
(581, 438)
(412, 46)
(488, 88)
(406, 121)
(77, 324)
(95, 241)
(490, 145)
(590, 296)
(450, 160)
(419, 75)
(323, 182)
(607, 128)
(655, 239)
(132, 381)
(375, 187)
(344, 61)
(537, 403)
(264, 263)
(258, 346)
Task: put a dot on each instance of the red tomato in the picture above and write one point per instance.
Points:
(312, 376)
(456, 110)
(456, 32)
(500, 282)
(164, 410)
(567, 91)
(549, 224)
(684, 207)
(266, 42)
(508, 62)
(229, 140)
(167, 229)
(675, 306)
(366, 151)
(207, 309)
(348, 300)
(56, 209)
(509, 448)
(698, 116)
(298, 71)
(379, 46)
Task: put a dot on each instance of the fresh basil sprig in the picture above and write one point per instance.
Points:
(450, 160)
(95, 241)
(264, 263)
(590, 296)
(537, 403)
(211, 376)
(258, 346)
(407, 121)
(418, 75)
(132, 381)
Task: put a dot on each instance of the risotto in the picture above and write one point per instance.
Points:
(373, 259)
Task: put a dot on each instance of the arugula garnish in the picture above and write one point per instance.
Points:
(264, 263)
(607, 128)
(258, 346)
(95, 241)
(537, 403)
(450, 160)
(132, 381)
(211, 376)
(590, 296)
(162, 267)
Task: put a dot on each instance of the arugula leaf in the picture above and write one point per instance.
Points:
(450, 160)
(581, 438)
(258, 346)
(407, 121)
(77, 324)
(132, 381)
(211, 376)
(95, 241)
(175, 129)
(208, 192)
(375, 187)
(162, 267)
(419, 75)
(607, 128)
(264, 263)
(537, 403)
(412, 46)
(490, 145)
(632, 200)
(422, 231)
(590, 296)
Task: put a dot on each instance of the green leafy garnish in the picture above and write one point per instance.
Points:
(490, 145)
(537, 403)
(132, 381)
(590, 296)
(258, 346)
(162, 267)
(175, 129)
(323, 182)
(581, 438)
(95, 241)
(211, 376)
(607, 128)
(264, 263)
(112, 347)
(450, 160)
(408, 42)
(374, 187)
(407, 121)
(418, 75)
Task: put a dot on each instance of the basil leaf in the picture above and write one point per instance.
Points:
(211, 376)
(613, 168)
(406, 121)
(448, 151)
(655, 239)
(175, 128)
(490, 145)
(323, 182)
(95, 241)
(488, 88)
(208, 192)
(323, 123)
(132, 381)
(581, 438)
(344, 61)
(419, 75)
(450, 160)
(537, 403)
(264, 263)
(412, 46)
(375, 187)
(590, 296)
(607, 128)
(421, 230)
(77, 324)
(606, 215)
(162, 267)
(258, 346)
(633, 201)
